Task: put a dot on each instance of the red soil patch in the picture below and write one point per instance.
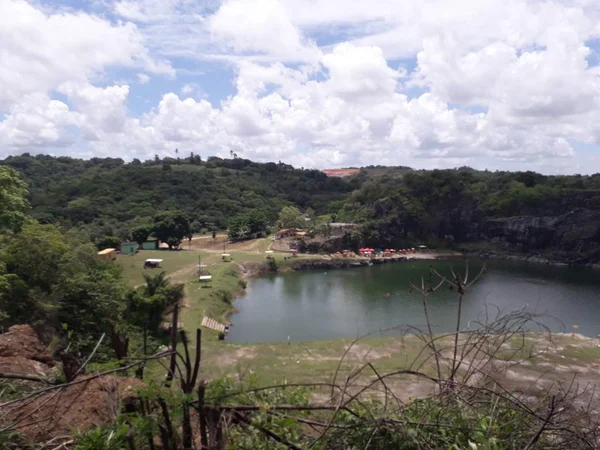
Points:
(340, 172)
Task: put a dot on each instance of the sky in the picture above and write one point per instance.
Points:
(492, 84)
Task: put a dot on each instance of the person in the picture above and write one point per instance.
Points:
(289, 340)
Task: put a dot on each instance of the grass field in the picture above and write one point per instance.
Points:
(315, 360)
(177, 264)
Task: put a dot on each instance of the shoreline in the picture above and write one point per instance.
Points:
(256, 269)
(532, 259)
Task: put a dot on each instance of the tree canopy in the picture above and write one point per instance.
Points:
(109, 197)
(290, 217)
(171, 227)
(13, 203)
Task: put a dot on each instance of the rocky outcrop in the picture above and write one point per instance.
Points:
(21, 352)
(570, 238)
(79, 407)
(62, 410)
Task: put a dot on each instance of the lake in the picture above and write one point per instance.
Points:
(350, 302)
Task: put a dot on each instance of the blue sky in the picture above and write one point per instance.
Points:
(315, 83)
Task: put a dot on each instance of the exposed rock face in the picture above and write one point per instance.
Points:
(57, 412)
(21, 352)
(574, 236)
(77, 408)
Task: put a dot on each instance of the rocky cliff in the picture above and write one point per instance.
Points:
(572, 238)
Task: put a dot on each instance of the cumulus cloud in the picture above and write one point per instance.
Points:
(429, 83)
(261, 27)
(143, 78)
(39, 50)
(36, 122)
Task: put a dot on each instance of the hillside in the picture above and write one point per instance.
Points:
(522, 212)
(109, 196)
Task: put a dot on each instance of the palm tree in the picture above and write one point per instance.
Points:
(155, 283)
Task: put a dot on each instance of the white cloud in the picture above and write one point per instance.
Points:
(261, 27)
(500, 83)
(39, 50)
(102, 110)
(143, 78)
(359, 72)
(36, 122)
(193, 90)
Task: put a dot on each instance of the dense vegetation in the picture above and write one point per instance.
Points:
(449, 207)
(109, 197)
(112, 201)
(52, 279)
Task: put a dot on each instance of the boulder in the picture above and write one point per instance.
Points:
(22, 352)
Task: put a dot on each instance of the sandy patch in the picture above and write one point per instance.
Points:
(232, 358)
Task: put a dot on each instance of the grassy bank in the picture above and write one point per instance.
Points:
(318, 360)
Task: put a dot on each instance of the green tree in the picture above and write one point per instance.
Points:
(171, 227)
(140, 234)
(107, 242)
(311, 215)
(37, 255)
(290, 217)
(146, 305)
(54, 279)
(257, 222)
(13, 203)
(238, 227)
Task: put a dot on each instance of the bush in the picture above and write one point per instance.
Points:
(272, 264)
(224, 296)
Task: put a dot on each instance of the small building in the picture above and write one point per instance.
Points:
(286, 232)
(301, 233)
(129, 248)
(108, 254)
(150, 245)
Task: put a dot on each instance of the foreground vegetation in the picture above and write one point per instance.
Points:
(419, 391)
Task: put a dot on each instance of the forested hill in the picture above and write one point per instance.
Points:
(115, 196)
(397, 206)
(515, 211)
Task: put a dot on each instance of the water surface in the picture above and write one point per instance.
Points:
(351, 302)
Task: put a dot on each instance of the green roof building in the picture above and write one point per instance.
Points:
(150, 245)
(129, 248)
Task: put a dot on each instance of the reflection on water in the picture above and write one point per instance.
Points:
(348, 303)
